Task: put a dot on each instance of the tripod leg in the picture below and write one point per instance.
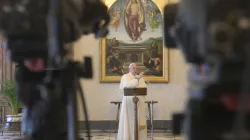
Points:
(84, 109)
(72, 114)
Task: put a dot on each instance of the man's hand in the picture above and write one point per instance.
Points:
(140, 75)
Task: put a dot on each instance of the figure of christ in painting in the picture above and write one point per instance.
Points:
(134, 19)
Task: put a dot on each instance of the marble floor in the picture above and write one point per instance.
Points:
(98, 135)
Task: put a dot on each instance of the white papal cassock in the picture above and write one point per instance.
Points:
(126, 121)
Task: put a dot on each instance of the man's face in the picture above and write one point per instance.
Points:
(133, 69)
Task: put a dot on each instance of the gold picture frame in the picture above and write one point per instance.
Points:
(149, 53)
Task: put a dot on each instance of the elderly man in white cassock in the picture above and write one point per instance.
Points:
(126, 121)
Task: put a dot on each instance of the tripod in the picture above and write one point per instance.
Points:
(45, 29)
(73, 72)
(50, 106)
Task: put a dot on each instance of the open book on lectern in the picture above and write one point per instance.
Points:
(141, 91)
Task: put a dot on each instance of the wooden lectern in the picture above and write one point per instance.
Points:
(135, 92)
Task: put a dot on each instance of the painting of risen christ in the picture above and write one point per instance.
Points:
(134, 19)
(135, 36)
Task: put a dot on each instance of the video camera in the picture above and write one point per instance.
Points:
(42, 29)
(25, 24)
(214, 37)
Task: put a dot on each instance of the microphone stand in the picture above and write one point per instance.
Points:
(151, 110)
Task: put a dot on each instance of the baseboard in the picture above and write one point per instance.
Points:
(111, 125)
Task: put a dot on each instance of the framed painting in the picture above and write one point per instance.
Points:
(135, 36)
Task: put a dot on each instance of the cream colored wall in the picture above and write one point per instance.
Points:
(171, 96)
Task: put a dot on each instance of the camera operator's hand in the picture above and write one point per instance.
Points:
(35, 65)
